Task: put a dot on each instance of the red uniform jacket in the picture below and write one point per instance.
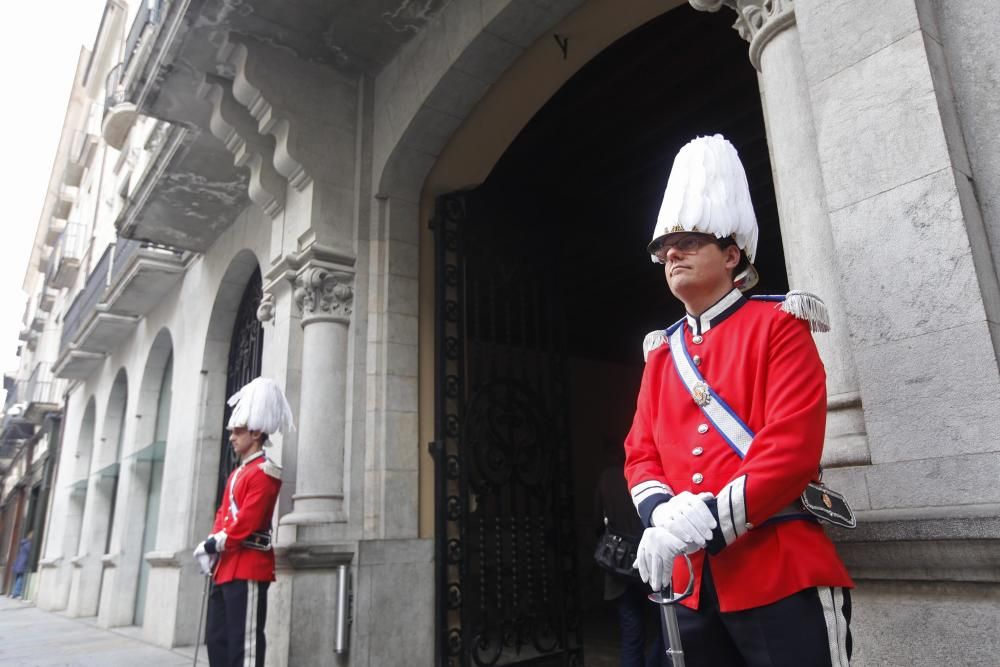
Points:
(763, 363)
(247, 506)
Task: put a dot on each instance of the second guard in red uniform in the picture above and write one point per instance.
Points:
(239, 547)
(728, 432)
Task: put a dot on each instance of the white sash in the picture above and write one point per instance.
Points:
(726, 422)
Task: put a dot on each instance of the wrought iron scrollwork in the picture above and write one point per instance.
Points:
(506, 570)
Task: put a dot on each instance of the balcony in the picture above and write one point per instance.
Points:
(14, 430)
(55, 229)
(82, 149)
(44, 258)
(119, 106)
(88, 332)
(39, 394)
(65, 199)
(119, 112)
(131, 278)
(141, 275)
(65, 263)
(81, 152)
(47, 299)
(37, 323)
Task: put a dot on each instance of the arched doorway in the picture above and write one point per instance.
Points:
(245, 356)
(544, 295)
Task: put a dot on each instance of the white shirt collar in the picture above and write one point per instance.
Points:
(717, 312)
(255, 455)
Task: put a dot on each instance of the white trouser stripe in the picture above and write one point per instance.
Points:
(832, 600)
(250, 627)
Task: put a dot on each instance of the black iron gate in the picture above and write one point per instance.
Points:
(245, 348)
(506, 568)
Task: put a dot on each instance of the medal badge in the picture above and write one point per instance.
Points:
(700, 393)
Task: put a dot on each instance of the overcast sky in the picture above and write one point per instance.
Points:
(40, 42)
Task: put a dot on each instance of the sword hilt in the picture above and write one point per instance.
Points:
(668, 615)
(665, 597)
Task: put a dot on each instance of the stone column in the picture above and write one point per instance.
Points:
(324, 293)
(810, 255)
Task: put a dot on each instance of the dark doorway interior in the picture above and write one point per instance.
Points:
(246, 348)
(556, 294)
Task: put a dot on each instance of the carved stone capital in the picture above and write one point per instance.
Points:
(757, 21)
(324, 294)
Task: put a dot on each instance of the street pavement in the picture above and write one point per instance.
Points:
(36, 638)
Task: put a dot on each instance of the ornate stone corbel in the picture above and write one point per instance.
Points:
(265, 311)
(232, 125)
(323, 293)
(757, 21)
(308, 108)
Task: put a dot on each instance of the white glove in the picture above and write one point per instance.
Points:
(655, 556)
(204, 559)
(688, 518)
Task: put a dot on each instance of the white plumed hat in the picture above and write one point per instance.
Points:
(707, 192)
(261, 406)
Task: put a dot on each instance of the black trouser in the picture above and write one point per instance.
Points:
(807, 629)
(237, 611)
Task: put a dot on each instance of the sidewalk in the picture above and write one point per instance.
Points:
(29, 636)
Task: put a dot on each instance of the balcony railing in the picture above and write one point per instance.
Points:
(46, 298)
(127, 249)
(87, 299)
(115, 92)
(148, 14)
(69, 251)
(39, 393)
(129, 280)
(119, 107)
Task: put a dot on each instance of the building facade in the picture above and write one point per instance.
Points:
(426, 220)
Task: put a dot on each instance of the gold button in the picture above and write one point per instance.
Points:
(697, 340)
(697, 451)
(697, 360)
(702, 428)
(697, 478)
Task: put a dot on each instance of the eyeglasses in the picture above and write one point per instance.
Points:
(686, 244)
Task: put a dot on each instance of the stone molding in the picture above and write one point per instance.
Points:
(922, 549)
(324, 293)
(163, 558)
(757, 21)
(305, 556)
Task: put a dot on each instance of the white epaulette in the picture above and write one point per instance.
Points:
(653, 340)
(271, 468)
(804, 306)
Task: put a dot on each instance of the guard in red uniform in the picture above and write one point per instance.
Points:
(727, 434)
(239, 547)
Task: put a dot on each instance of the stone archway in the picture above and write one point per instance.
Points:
(544, 285)
(90, 564)
(147, 463)
(236, 283)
